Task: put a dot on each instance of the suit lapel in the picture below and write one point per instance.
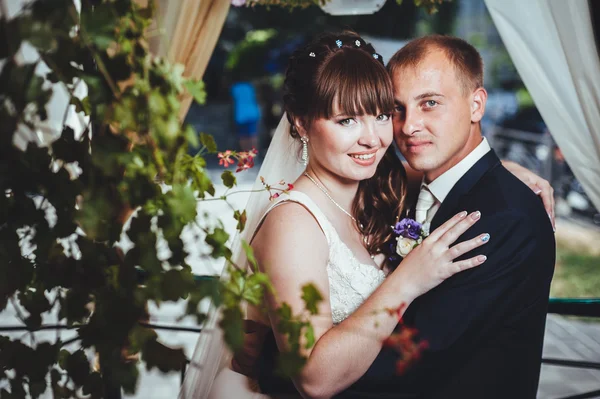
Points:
(451, 204)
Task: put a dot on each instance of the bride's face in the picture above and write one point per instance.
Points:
(348, 146)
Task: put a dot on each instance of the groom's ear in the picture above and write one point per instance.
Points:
(478, 100)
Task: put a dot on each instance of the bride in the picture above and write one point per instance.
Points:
(332, 230)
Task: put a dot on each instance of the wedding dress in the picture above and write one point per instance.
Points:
(350, 284)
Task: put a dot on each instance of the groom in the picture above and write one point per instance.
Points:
(484, 326)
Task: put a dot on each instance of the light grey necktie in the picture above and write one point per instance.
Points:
(424, 204)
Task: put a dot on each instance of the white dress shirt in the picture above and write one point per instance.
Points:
(440, 187)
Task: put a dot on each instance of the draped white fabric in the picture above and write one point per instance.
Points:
(551, 43)
(210, 355)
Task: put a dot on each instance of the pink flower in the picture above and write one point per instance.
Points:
(244, 163)
(225, 158)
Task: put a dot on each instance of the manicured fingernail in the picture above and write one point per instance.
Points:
(538, 191)
(462, 214)
(485, 237)
(481, 258)
(550, 217)
(475, 215)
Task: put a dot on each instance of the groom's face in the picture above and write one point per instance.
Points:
(433, 122)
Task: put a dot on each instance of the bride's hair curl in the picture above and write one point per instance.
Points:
(340, 71)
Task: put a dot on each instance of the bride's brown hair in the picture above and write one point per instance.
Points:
(345, 71)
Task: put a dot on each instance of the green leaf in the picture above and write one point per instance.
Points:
(233, 328)
(74, 307)
(98, 25)
(182, 203)
(254, 288)
(78, 367)
(209, 288)
(69, 150)
(82, 105)
(11, 43)
(209, 142)
(193, 163)
(285, 312)
(229, 180)
(37, 388)
(250, 254)
(125, 113)
(17, 389)
(196, 89)
(311, 297)
(93, 385)
(241, 219)
(127, 376)
(63, 357)
(175, 284)
(156, 354)
(234, 285)
(309, 335)
(202, 183)
(36, 303)
(191, 135)
(217, 239)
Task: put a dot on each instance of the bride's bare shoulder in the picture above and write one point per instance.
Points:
(290, 224)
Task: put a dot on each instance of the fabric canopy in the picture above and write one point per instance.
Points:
(552, 45)
(186, 32)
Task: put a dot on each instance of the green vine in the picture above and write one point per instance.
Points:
(431, 6)
(68, 198)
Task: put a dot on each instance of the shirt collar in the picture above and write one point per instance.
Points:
(440, 187)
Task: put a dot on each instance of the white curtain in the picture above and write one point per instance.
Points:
(551, 43)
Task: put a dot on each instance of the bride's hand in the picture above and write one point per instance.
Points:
(539, 185)
(430, 263)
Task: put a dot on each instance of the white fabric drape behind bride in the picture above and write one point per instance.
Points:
(551, 43)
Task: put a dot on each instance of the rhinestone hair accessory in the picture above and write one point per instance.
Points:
(376, 56)
(357, 42)
(312, 54)
(339, 43)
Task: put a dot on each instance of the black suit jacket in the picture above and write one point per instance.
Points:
(484, 326)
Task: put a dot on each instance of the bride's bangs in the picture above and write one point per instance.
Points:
(353, 83)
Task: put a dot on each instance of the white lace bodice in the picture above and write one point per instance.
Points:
(350, 282)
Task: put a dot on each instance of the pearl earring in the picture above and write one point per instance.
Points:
(304, 140)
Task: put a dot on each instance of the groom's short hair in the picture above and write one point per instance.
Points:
(465, 59)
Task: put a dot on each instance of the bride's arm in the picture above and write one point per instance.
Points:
(292, 250)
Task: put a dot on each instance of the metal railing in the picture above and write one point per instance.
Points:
(562, 306)
(539, 153)
(575, 307)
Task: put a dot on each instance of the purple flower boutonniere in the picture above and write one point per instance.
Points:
(410, 233)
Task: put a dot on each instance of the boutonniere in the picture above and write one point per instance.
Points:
(409, 233)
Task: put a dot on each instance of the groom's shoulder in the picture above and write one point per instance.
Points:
(499, 191)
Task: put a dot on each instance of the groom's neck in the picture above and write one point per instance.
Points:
(472, 143)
